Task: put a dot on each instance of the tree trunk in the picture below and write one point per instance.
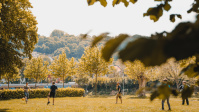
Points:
(177, 86)
(142, 84)
(96, 85)
(35, 84)
(8, 83)
(63, 81)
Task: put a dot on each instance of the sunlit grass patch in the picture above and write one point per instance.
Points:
(97, 104)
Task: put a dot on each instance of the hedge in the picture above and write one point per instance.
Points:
(40, 93)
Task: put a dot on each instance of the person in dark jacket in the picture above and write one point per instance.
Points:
(119, 94)
(53, 89)
(181, 89)
(165, 83)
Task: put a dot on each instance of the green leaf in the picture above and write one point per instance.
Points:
(172, 18)
(167, 6)
(98, 39)
(133, 1)
(112, 45)
(125, 3)
(103, 3)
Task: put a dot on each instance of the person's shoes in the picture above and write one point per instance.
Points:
(48, 103)
(162, 108)
(169, 110)
(53, 104)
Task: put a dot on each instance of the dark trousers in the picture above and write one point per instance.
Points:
(183, 100)
(167, 103)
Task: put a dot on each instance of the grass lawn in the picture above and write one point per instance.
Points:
(96, 104)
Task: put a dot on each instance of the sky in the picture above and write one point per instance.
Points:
(76, 17)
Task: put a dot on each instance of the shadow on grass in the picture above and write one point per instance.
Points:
(98, 96)
(4, 110)
(137, 98)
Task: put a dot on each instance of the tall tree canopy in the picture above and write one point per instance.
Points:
(93, 64)
(36, 69)
(137, 71)
(61, 67)
(18, 34)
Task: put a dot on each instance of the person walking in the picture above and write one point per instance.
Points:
(26, 92)
(166, 83)
(182, 87)
(119, 94)
(53, 89)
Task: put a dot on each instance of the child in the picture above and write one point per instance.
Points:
(119, 94)
(26, 93)
(52, 92)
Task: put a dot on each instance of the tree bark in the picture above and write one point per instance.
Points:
(63, 81)
(96, 84)
(35, 84)
(142, 84)
(8, 83)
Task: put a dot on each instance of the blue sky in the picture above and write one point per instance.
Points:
(76, 17)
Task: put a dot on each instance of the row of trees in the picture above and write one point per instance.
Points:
(92, 68)
(170, 70)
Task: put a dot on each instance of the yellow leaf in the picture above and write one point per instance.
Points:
(103, 2)
(99, 38)
(167, 6)
(172, 18)
(112, 45)
(115, 2)
(91, 2)
(152, 17)
(125, 3)
(179, 16)
(133, 1)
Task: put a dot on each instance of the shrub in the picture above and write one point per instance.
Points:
(40, 93)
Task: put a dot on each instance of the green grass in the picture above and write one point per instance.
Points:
(96, 104)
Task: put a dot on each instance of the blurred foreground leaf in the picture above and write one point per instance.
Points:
(98, 39)
(112, 45)
(149, 51)
(187, 92)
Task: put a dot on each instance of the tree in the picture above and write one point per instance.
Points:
(171, 71)
(11, 76)
(73, 67)
(18, 34)
(36, 69)
(57, 33)
(93, 64)
(60, 67)
(136, 70)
